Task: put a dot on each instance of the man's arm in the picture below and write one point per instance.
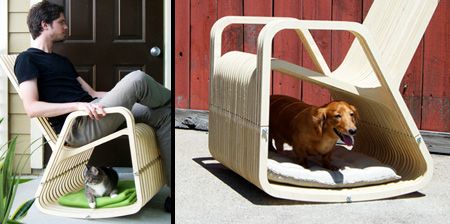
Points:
(35, 108)
(86, 87)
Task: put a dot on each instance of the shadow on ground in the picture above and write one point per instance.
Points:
(241, 185)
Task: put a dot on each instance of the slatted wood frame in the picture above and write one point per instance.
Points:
(64, 169)
(369, 78)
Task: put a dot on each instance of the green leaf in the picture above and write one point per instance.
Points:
(22, 210)
(8, 182)
(12, 222)
(24, 180)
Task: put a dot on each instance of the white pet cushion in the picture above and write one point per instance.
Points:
(355, 170)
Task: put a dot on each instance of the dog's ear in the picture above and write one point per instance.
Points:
(355, 112)
(319, 119)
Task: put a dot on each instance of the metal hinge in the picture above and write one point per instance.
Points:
(419, 139)
(265, 133)
(349, 199)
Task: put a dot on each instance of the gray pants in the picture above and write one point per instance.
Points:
(149, 102)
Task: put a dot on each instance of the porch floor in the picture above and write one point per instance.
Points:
(152, 212)
(208, 192)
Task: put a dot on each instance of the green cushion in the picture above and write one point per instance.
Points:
(126, 196)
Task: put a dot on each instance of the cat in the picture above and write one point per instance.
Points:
(99, 182)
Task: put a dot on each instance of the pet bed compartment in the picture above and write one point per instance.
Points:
(64, 180)
(126, 196)
(355, 170)
(239, 135)
(368, 78)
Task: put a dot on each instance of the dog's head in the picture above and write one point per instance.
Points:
(337, 118)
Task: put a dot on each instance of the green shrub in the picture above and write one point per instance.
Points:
(9, 181)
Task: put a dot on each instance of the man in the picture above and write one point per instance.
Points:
(50, 87)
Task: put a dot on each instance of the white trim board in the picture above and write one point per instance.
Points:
(167, 44)
(3, 79)
(4, 27)
(36, 157)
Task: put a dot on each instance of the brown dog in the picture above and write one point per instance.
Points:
(310, 130)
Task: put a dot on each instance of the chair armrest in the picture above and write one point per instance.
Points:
(222, 23)
(303, 28)
(110, 110)
(217, 30)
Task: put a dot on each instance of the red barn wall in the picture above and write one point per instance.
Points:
(425, 86)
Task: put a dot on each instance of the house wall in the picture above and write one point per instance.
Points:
(425, 86)
(18, 41)
(3, 78)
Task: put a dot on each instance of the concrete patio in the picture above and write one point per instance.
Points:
(152, 212)
(208, 192)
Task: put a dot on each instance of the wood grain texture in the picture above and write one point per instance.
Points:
(254, 8)
(436, 77)
(287, 46)
(317, 10)
(411, 86)
(182, 53)
(424, 86)
(203, 16)
(343, 10)
(366, 4)
(233, 35)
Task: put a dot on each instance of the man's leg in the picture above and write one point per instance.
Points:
(160, 120)
(136, 87)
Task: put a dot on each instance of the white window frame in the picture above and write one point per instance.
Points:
(168, 44)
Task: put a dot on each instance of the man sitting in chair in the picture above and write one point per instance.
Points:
(50, 87)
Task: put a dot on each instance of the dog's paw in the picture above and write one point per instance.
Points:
(113, 195)
(92, 204)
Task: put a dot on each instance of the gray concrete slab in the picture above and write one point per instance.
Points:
(152, 212)
(208, 192)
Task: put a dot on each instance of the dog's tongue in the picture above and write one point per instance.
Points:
(348, 140)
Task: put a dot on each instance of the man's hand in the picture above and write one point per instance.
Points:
(35, 108)
(95, 111)
(86, 87)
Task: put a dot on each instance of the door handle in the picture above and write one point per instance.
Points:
(155, 51)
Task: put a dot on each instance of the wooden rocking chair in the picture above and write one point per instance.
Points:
(369, 78)
(65, 167)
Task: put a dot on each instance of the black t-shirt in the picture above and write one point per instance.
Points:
(56, 79)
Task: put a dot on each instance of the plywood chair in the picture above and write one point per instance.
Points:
(64, 169)
(369, 78)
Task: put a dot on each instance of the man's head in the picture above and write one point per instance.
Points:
(46, 16)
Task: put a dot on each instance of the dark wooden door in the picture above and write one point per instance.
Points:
(106, 40)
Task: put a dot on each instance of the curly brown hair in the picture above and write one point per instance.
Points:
(42, 12)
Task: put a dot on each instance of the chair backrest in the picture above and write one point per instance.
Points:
(7, 63)
(397, 28)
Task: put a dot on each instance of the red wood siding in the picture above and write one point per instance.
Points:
(436, 74)
(285, 40)
(425, 86)
(317, 10)
(182, 51)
